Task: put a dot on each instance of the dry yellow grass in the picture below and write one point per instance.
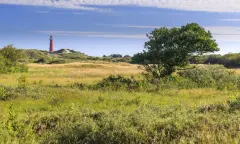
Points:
(72, 72)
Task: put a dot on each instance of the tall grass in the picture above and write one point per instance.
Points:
(117, 108)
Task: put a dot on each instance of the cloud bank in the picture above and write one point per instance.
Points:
(220, 33)
(188, 5)
(94, 34)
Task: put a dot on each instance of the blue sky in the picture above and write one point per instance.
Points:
(103, 27)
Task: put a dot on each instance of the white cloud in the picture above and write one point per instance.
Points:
(55, 3)
(94, 34)
(220, 33)
(189, 5)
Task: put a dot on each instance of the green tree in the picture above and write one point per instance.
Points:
(9, 60)
(138, 58)
(116, 55)
(11, 54)
(168, 49)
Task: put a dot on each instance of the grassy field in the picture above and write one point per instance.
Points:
(87, 72)
(71, 115)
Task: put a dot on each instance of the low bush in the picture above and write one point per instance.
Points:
(2, 93)
(120, 82)
(116, 83)
(229, 106)
(17, 131)
(9, 61)
(216, 76)
(8, 93)
(175, 82)
(59, 61)
(80, 86)
(42, 60)
(140, 126)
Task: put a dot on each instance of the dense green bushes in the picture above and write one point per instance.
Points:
(212, 76)
(115, 83)
(230, 106)
(121, 83)
(202, 76)
(126, 118)
(147, 124)
(9, 61)
(231, 60)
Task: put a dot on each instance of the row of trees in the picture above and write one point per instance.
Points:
(117, 56)
(231, 60)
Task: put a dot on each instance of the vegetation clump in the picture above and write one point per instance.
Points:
(169, 49)
(212, 76)
(231, 60)
(120, 82)
(9, 61)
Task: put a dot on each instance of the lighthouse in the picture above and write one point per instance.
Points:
(51, 44)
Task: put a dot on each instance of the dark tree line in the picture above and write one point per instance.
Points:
(231, 60)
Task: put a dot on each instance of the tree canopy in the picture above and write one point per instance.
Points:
(9, 60)
(168, 49)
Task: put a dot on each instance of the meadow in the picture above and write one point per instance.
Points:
(86, 72)
(43, 107)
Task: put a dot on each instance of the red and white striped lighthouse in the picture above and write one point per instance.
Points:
(51, 44)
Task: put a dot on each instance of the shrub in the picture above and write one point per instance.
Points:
(229, 106)
(176, 82)
(211, 76)
(59, 61)
(22, 83)
(119, 82)
(42, 60)
(18, 131)
(2, 93)
(80, 86)
(9, 60)
(8, 93)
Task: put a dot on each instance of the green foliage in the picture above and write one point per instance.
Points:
(138, 58)
(8, 93)
(169, 116)
(59, 61)
(22, 82)
(119, 109)
(116, 55)
(120, 82)
(58, 57)
(212, 76)
(175, 82)
(80, 86)
(168, 49)
(11, 54)
(74, 56)
(127, 56)
(145, 125)
(42, 61)
(17, 131)
(9, 57)
(231, 60)
(3, 94)
(230, 106)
